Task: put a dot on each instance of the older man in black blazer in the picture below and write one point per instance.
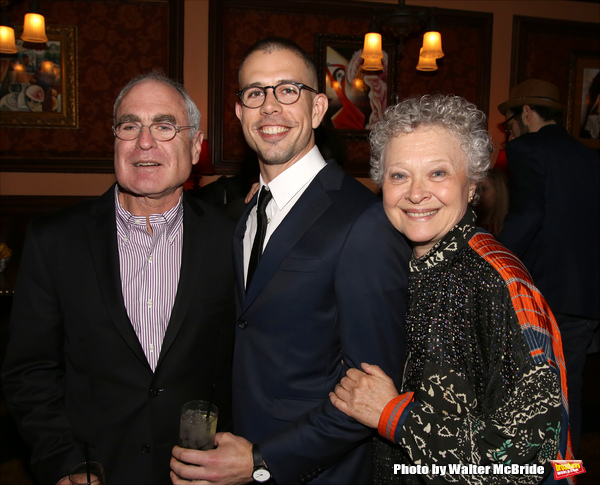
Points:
(552, 224)
(124, 305)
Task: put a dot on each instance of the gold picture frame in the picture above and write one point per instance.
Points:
(39, 87)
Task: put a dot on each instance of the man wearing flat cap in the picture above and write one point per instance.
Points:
(552, 224)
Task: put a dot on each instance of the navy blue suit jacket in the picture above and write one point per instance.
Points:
(329, 293)
(75, 372)
(552, 224)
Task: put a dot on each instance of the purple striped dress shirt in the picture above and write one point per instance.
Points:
(150, 265)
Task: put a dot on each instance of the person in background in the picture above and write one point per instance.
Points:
(484, 382)
(328, 292)
(124, 305)
(552, 224)
(492, 206)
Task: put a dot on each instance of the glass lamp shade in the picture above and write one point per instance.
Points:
(432, 46)
(372, 53)
(426, 64)
(7, 40)
(34, 28)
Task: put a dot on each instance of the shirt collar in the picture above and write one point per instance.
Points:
(288, 183)
(173, 218)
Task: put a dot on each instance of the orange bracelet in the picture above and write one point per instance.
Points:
(388, 421)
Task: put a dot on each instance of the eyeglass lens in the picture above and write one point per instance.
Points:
(285, 93)
(129, 130)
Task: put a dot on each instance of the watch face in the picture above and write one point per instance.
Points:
(261, 475)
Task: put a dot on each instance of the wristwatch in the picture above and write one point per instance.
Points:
(261, 473)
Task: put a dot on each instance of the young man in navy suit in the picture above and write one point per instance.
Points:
(328, 292)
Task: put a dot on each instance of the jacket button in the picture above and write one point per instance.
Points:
(146, 449)
(242, 324)
(155, 391)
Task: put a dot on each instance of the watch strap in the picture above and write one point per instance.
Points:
(260, 473)
(257, 457)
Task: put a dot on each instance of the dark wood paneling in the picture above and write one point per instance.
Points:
(542, 49)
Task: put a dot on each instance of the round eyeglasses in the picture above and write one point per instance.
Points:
(285, 93)
(163, 131)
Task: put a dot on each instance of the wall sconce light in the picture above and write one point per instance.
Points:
(34, 29)
(372, 52)
(7, 40)
(432, 41)
(426, 63)
(7, 35)
(401, 23)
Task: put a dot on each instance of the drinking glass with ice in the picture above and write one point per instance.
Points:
(198, 427)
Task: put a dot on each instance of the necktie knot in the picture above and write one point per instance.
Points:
(263, 199)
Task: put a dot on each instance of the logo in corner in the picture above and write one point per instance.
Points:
(567, 468)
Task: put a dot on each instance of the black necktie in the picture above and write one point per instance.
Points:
(261, 229)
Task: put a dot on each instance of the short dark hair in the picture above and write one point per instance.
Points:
(546, 113)
(273, 44)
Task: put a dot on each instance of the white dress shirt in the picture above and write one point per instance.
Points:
(286, 189)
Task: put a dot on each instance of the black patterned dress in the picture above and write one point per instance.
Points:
(484, 383)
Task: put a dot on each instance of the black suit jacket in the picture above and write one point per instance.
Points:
(75, 374)
(552, 224)
(329, 293)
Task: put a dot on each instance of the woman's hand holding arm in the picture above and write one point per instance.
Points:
(364, 395)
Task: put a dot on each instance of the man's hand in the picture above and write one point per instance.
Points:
(229, 464)
(364, 395)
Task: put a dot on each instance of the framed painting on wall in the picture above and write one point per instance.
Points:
(34, 142)
(583, 110)
(357, 98)
(39, 87)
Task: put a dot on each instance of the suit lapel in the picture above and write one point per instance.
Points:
(196, 233)
(102, 236)
(311, 205)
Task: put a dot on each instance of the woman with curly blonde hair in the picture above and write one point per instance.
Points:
(484, 384)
